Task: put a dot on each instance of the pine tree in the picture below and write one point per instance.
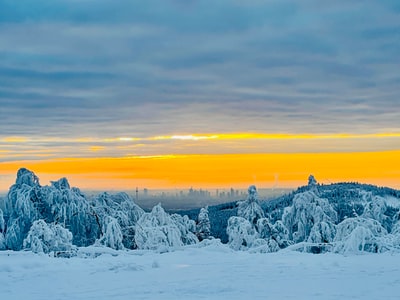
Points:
(203, 228)
(250, 209)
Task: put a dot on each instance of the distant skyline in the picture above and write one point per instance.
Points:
(174, 93)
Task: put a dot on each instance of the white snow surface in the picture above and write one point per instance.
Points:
(208, 270)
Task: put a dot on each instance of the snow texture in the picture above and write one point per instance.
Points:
(209, 270)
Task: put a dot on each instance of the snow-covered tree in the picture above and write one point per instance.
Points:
(203, 228)
(21, 207)
(376, 209)
(2, 242)
(308, 210)
(360, 234)
(322, 232)
(250, 209)
(241, 233)
(2, 229)
(158, 230)
(121, 207)
(312, 181)
(112, 234)
(27, 201)
(46, 238)
(2, 222)
(69, 207)
(277, 232)
(187, 228)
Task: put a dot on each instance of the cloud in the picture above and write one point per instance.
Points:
(175, 67)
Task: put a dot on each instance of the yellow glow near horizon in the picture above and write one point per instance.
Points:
(214, 171)
(211, 136)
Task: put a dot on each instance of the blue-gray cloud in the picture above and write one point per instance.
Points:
(143, 68)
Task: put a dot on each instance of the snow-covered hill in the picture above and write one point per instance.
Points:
(343, 217)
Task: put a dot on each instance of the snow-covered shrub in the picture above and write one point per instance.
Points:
(241, 233)
(276, 232)
(360, 234)
(307, 210)
(264, 228)
(281, 234)
(112, 234)
(203, 228)
(264, 246)
(157, 230)
(46, 238)
(250, 209)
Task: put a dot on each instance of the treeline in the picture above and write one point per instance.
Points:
(343, 217)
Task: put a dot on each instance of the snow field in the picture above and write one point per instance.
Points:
(198, 272)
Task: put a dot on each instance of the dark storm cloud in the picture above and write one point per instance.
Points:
(144, 68)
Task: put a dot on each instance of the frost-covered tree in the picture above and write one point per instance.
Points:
(250, 209)
(21, 207)
(121, 207)
(375, 209)
(187, 228)
(112, 234)
(360, 234)
(276, 232)
(2, 229)
(241, 233)
(312, 181)
(70, 208)
(2, 242)
(322, 232)
(158, 230)
(27, 201)
(308, 210)
(203, 228)
(2, 222)
(46, 238)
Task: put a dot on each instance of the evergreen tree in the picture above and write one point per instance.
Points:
(250, 209)
(203, 228)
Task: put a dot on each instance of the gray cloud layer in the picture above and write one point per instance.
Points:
(145, 68)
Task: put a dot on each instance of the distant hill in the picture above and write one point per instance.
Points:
(345, 197)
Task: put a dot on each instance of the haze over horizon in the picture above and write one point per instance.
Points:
(174, 94)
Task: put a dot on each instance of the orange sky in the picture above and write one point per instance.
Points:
(213, 171)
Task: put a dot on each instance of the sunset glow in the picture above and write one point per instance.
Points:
(173, 94)
(215, 171)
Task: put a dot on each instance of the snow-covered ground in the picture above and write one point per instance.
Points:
(196, 272)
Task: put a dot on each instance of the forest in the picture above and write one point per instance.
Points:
(315, 218)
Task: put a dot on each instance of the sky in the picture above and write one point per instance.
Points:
(174, 93)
